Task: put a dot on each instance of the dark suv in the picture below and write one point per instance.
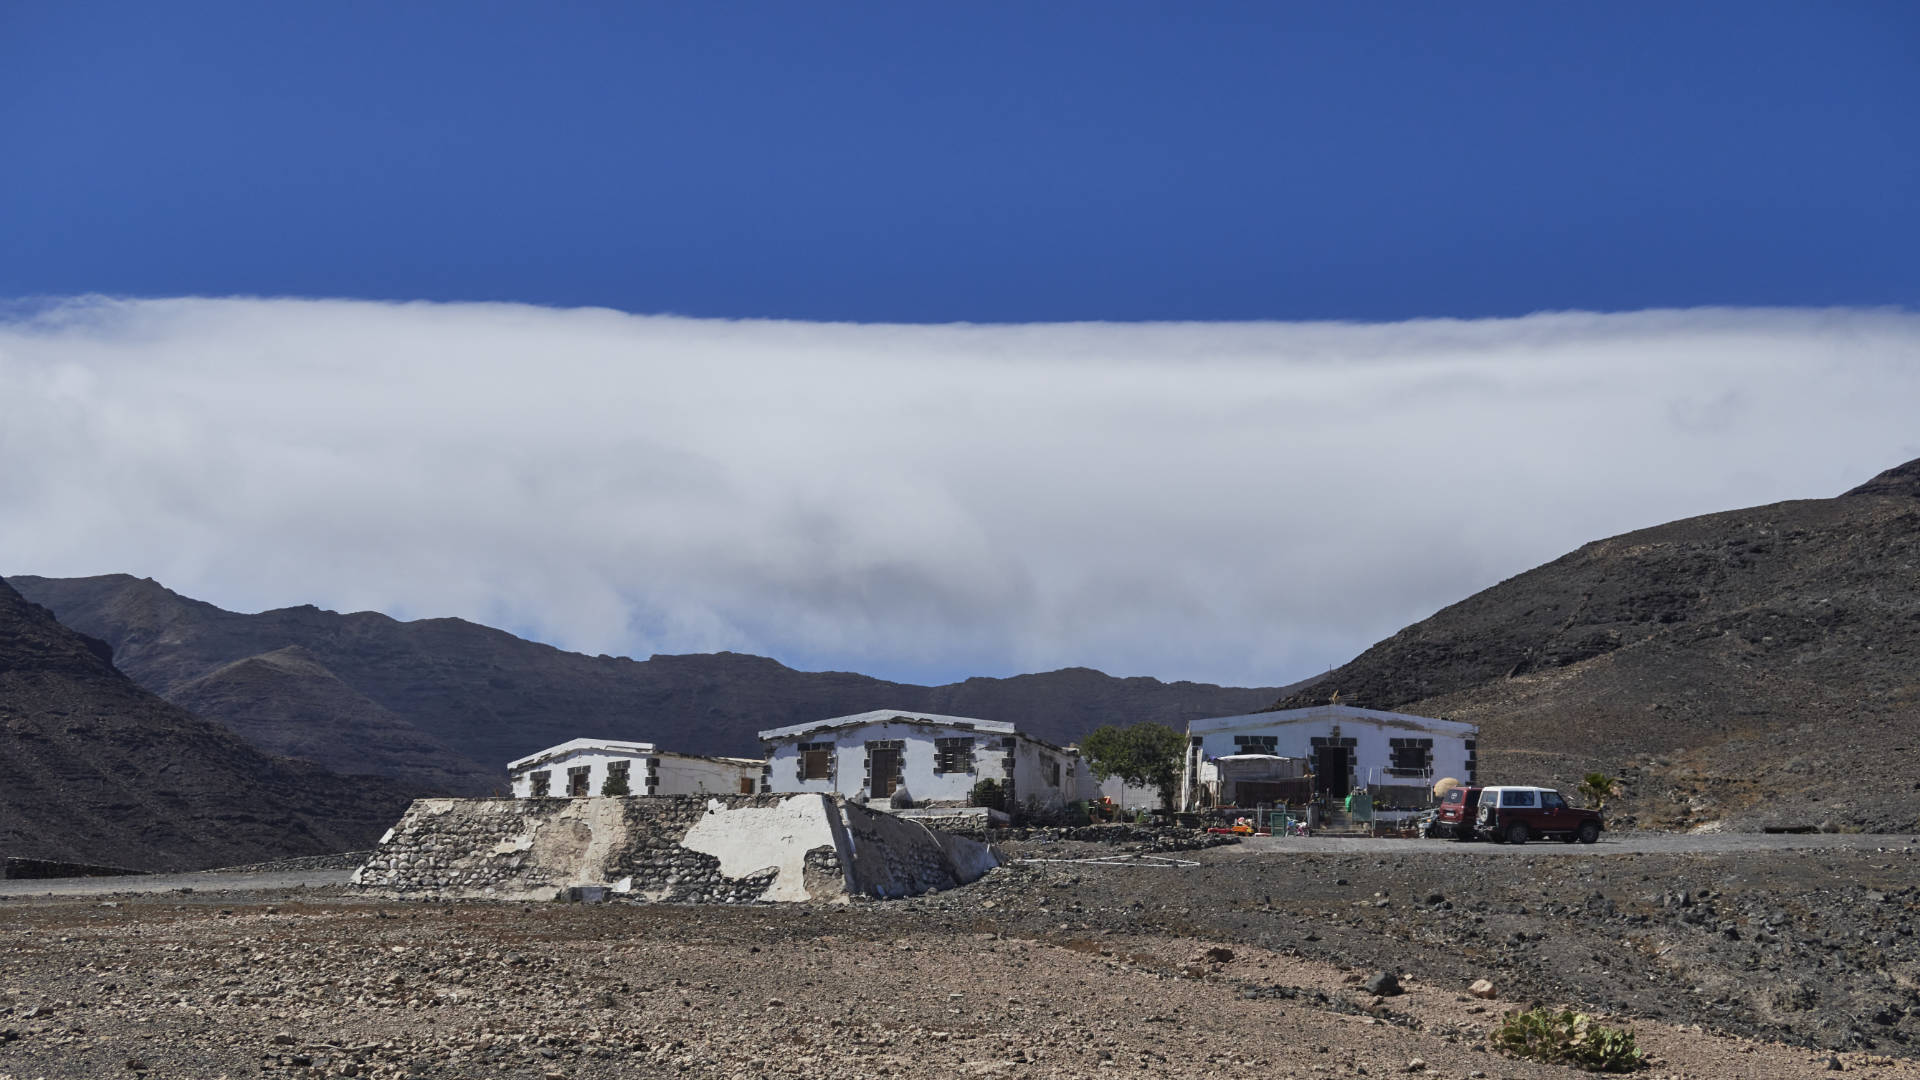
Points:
(1518, 814)
(1454, 817)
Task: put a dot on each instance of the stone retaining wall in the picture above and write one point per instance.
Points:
(686, 849)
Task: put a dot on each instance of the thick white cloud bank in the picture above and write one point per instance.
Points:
(1244, 503)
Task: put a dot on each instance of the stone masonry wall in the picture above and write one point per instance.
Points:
(698, 849)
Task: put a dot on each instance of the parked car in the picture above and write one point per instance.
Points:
(1515, 815)
(1453, 818)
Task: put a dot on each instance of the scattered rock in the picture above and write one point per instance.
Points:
(1382, 984)
(1482, 989)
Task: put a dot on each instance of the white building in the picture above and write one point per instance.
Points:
(1129, 796)
(583, 767)
(938, 759)
(1343, 747)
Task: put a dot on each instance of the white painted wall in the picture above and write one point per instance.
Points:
(1033, 783)
(1370, 729)
(678, 774)
(1128, 796)
(1033, 776)
(686, 774)
(917, 766)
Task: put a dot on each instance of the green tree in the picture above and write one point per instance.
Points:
(615, 784)
(1597, 788)
(1147, 754)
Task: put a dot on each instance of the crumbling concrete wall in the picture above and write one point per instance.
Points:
(893, 856)
(718, 849)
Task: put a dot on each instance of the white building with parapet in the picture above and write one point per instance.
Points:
(1343, 749)
(938, 760)
(583, 767)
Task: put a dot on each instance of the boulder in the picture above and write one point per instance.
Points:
(1382, 984)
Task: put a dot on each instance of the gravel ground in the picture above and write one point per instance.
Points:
(214, 882)
(1227, 962)
(1621, 843)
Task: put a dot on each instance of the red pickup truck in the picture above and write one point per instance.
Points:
(1518, 814)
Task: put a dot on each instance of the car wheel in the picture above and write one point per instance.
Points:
(1589, 832)
(1516, 833)
(1463, 832)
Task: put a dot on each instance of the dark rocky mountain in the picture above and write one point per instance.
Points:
(1753, 667)
(334, 688)
(287, 703)
(99, 770)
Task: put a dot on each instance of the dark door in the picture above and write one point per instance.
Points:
(1331, 763)
(885, 769)
(1553, 815)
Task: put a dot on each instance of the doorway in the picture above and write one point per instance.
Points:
(884, 767)
(1333, 766)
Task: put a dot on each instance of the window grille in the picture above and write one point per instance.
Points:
(1411, 757)
(953, 755)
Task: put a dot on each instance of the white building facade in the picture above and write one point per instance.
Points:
(584, 767)
(937, 759)
(1345, 749)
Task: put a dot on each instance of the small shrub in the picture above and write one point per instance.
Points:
(615, 785)
(987, 793)
(1567, 1038)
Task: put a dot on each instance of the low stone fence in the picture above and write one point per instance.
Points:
(686, 849)
(28, 869)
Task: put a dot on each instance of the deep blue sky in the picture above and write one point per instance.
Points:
(977, 161)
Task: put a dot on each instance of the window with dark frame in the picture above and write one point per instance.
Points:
(1053, 770)
(816, 761)
(953, 755)
(1256, 744)
(578, 779)
(1410, 756)
(539, 784)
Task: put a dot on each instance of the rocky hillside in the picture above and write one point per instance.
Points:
(444, 703)
(99, 770)
(1749, 668)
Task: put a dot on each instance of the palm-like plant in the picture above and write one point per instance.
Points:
(1597, 788)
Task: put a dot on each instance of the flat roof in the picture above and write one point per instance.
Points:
(886, 716)
(615, 745)
(1254, 721)
(618, 746)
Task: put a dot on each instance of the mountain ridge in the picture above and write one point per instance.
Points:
(100, 770)
(1718, 662)
(496, 697)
